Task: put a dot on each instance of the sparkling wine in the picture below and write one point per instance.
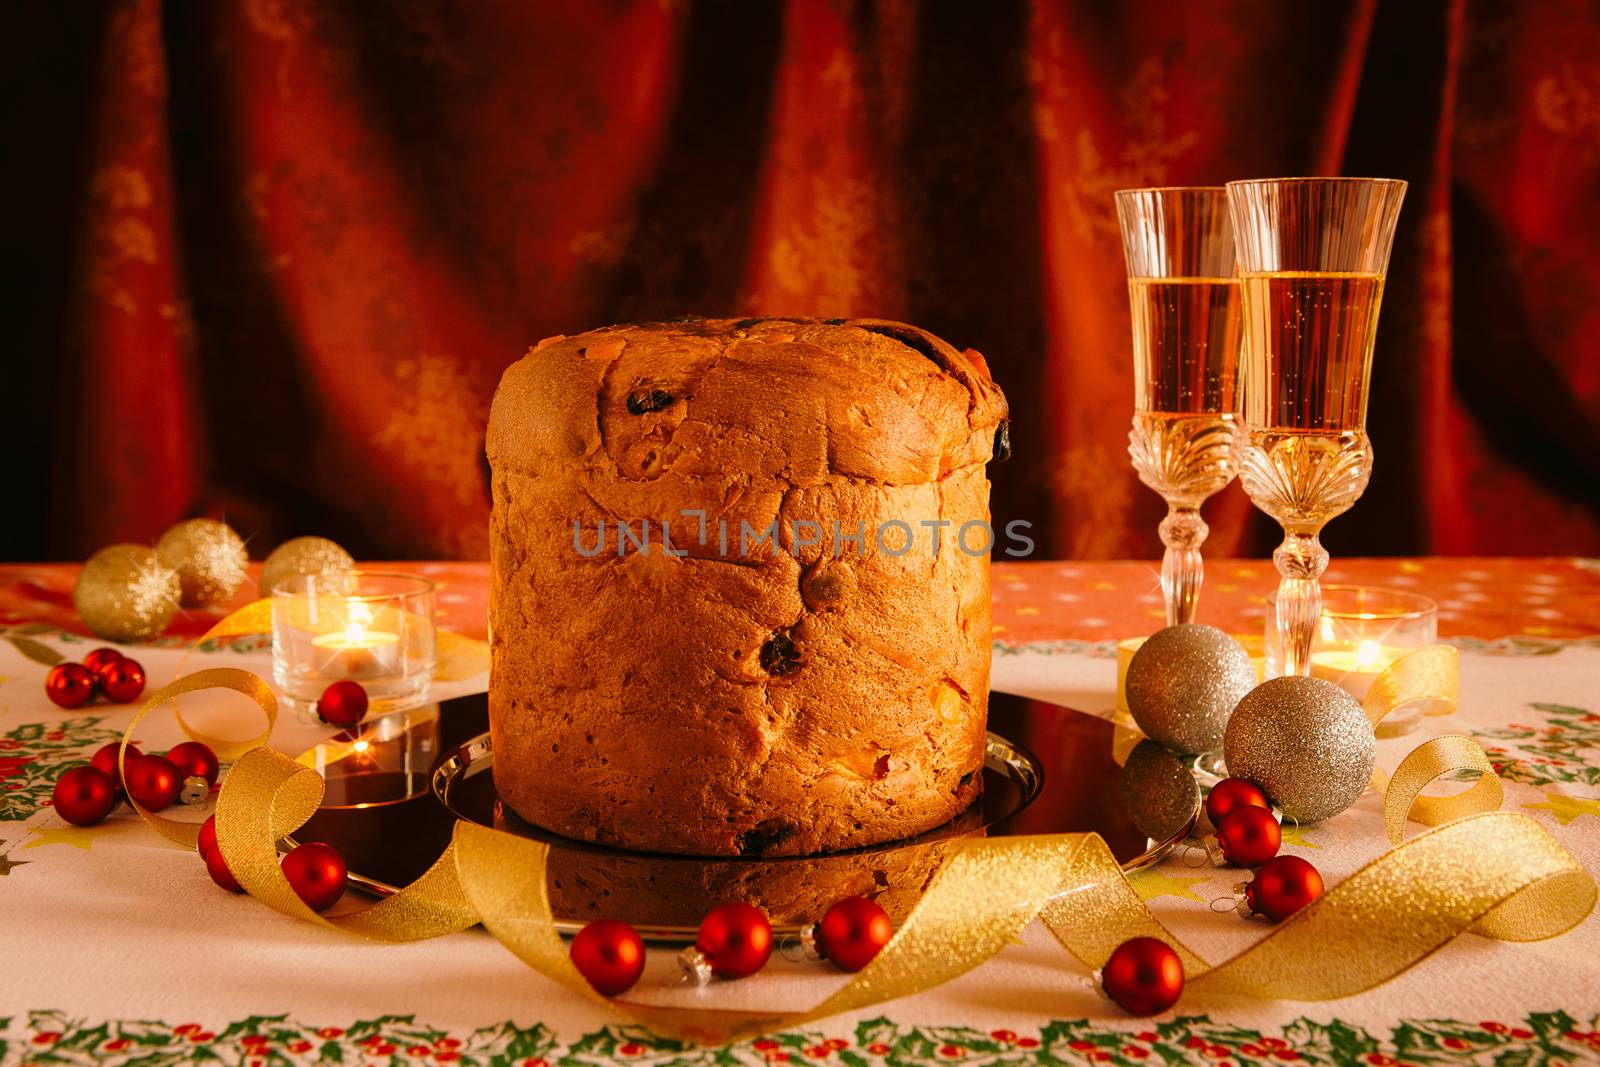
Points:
(1312, 257)
(1304, 457)
(1309, 349)
(1185, 344)
(1184, 298)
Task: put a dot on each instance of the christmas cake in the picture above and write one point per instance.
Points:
(740, 599)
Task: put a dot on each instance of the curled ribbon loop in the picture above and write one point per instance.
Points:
(1495, 873)
(1427, 763)
(253, 618)
(1498, 866)
(268, 796)
(185, 833)
(1430, 676)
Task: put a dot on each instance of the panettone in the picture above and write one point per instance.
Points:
(720, 621)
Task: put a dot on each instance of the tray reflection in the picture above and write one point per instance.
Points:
(382, 815)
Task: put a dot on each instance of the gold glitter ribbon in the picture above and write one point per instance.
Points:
(250, 685)
(1447, 754)
(1495, 873)
(1431, 676)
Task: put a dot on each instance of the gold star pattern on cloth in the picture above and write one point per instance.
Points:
(1295, 834)
(76, 836)
(7, 864)
(1155, 882)
(1566, 808)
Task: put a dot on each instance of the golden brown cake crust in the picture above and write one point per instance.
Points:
(739, 699)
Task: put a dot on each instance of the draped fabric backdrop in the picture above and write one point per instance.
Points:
(269, 257)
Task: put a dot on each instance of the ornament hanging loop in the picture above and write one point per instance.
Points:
(1236, 901)
(1205, 850)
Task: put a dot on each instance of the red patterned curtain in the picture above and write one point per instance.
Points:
(270, 257)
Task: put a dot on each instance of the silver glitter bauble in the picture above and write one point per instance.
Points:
(1306, 743)
(125, 594)
(1160, 791)
(1183, 684)
(210, 560)
(303, 555)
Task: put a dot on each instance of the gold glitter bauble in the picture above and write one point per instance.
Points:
(1183, 684)
(1159, 789)
(126, 594)
(210, 560)
(303, 555)
(1306, 743)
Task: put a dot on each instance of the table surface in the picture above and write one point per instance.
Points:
(118, 948)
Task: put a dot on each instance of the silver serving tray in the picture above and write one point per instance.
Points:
(397, 787)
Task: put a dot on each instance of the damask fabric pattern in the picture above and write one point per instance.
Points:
(307, 237)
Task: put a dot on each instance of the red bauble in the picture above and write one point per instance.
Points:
(194, 760)
(853, 932)
(342, 704)
(1144, 976)
(153, 781)
(1249, 836)
(217, 868)
(69, 685)
(1282, 887)
(317, 874)
(105, 758)
(610, 955)
(100, 658)
(207, 841)
(736, 940)
(84, 795)
(1231, 793)
(122, 682)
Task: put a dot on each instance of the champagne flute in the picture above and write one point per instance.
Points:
(1313, 254)
(1184, 293)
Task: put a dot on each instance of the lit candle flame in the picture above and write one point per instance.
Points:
(357, 633)
(356, 622)
(1369, 655)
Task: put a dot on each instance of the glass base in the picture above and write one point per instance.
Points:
(385, 696)
(1209, 768)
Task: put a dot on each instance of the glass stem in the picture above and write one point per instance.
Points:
(1301, 559)
(1183, 531)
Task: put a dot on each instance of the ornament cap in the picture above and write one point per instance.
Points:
(696, 967)
(1098, 978)
(195, 790)
(808, 942)
(1244, 900)
(1202, 850)
(1236, 901)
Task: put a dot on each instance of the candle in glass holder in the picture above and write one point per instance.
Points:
(1354, 670)
(375, 629)
(358, 651)
(1361, 632)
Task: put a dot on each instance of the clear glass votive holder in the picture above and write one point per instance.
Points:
(369, 627)
(1362, 631)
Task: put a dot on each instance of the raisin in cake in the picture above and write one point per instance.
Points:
(711, 631)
